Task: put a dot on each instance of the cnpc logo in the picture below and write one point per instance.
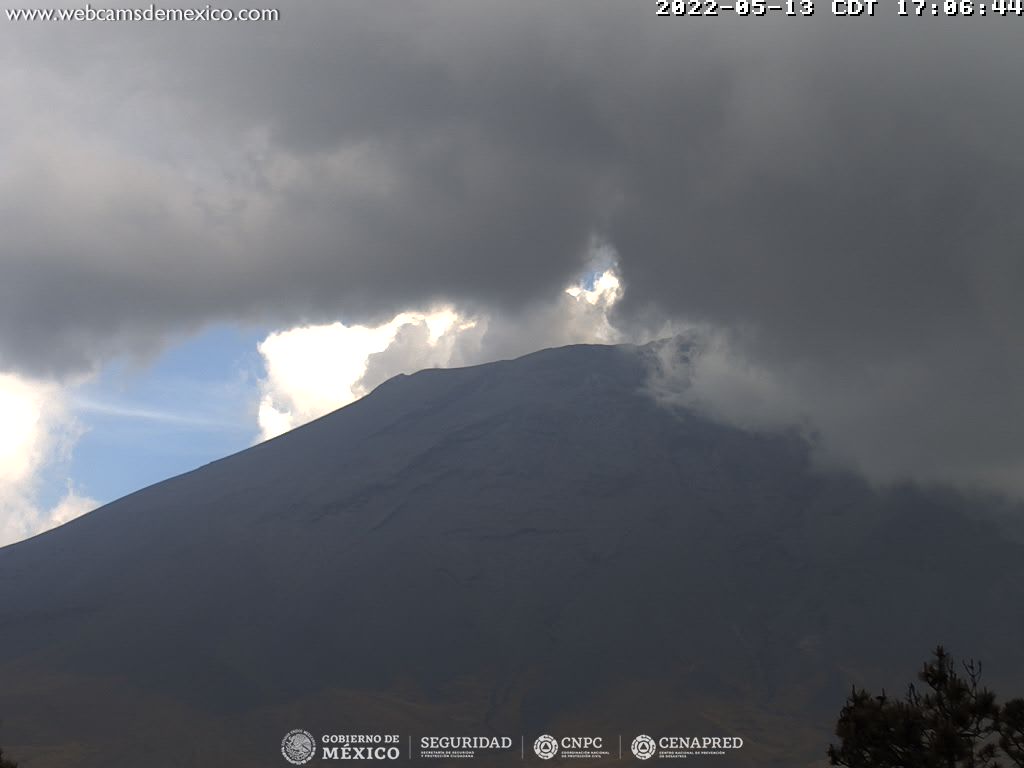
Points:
(547, 746)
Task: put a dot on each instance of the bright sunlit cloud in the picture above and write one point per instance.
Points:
(36, 430)
(312, 370)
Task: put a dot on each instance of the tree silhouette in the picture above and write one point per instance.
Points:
(1011, 731)
(4, 763)
(952, 722)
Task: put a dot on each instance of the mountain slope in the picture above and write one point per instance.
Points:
(525, 546)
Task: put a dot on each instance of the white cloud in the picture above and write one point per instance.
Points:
(36, 429)
(68, 508)
(313, 370)
(606, 290)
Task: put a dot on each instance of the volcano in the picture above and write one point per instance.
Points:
(521, 548)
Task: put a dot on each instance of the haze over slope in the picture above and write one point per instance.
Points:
(525, 546)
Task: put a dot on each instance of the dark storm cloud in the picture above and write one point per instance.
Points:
(840, 196)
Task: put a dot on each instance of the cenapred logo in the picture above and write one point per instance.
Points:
(644, 747)
(298, 747)
(546, 747)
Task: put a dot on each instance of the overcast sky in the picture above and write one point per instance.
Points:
(833, 203)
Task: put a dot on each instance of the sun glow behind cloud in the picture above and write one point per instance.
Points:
(606, 290)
